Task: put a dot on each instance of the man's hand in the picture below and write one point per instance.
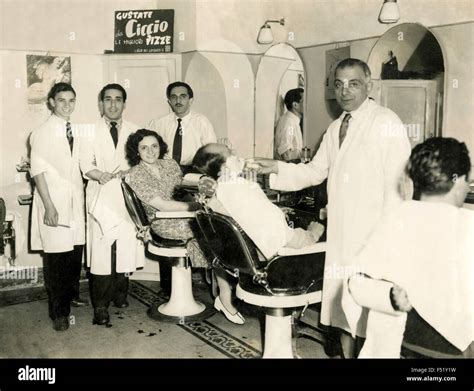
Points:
(262, 165)
(51, 216)
(399, 299)
(120, 174)
(316, 230)
(105, 177)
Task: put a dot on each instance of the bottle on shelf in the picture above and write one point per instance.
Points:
(9, 239)
(306, 155)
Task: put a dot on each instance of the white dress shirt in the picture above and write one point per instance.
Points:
(197, 131)
(288, 136)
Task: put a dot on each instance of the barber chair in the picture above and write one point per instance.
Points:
(290, 280)
(420, 340)
(181, 307)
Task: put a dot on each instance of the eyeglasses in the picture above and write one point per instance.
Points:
(352, 85)
(175, 98)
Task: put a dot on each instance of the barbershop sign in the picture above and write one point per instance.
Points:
(144, 31)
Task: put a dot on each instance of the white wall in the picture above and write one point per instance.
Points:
(82, 26)
(457, 43)
(209, 91)
(313, 22)
(17, 121)
(236, 100)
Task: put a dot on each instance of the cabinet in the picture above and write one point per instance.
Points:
(417, 103)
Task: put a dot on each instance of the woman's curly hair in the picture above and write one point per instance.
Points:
(131, 148)
(435, 164)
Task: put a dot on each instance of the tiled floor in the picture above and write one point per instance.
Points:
(27, 331)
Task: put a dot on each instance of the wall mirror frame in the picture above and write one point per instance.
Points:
(280, 69)
(408, 75)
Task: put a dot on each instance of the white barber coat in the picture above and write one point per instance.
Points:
(98, 152)
(63, 177)
(363, 184)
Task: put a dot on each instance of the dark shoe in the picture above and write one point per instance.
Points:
(61, 323)
(78, 302)
(123, 304)
(101, 316)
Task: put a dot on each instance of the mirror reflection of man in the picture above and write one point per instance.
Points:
(184, 130)
(288, 135)
(362, 155)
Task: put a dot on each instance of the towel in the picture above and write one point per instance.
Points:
(109, 209)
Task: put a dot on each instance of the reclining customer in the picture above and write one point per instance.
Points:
(155, 181)
(247, 204)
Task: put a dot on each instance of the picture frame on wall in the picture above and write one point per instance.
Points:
(43, 72)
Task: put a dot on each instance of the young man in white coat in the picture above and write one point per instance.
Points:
(113, 251)
(57, 220)
(362, 154)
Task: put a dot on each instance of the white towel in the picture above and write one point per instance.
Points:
(109, 210)
(384, 327)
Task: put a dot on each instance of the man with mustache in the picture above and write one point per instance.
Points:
(363, 160)
(184, 130)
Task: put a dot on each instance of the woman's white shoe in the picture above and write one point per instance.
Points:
(236, 318)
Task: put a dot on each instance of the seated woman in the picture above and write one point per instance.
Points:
(426, 247)
(155, 180)
(247, 204)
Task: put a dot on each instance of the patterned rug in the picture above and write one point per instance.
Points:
(207, 332)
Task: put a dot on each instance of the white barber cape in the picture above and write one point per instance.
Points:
(104, 225)
(363, 184)
(261, 220)
(427, 249)
(51, 155)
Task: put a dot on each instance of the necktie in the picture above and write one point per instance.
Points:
(343, 128)
(178, 142)
(114, 132)
(69, 135)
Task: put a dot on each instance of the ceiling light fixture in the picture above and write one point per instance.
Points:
(389, 12)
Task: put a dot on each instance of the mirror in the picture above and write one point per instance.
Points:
(408, 75)
(280, 69)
